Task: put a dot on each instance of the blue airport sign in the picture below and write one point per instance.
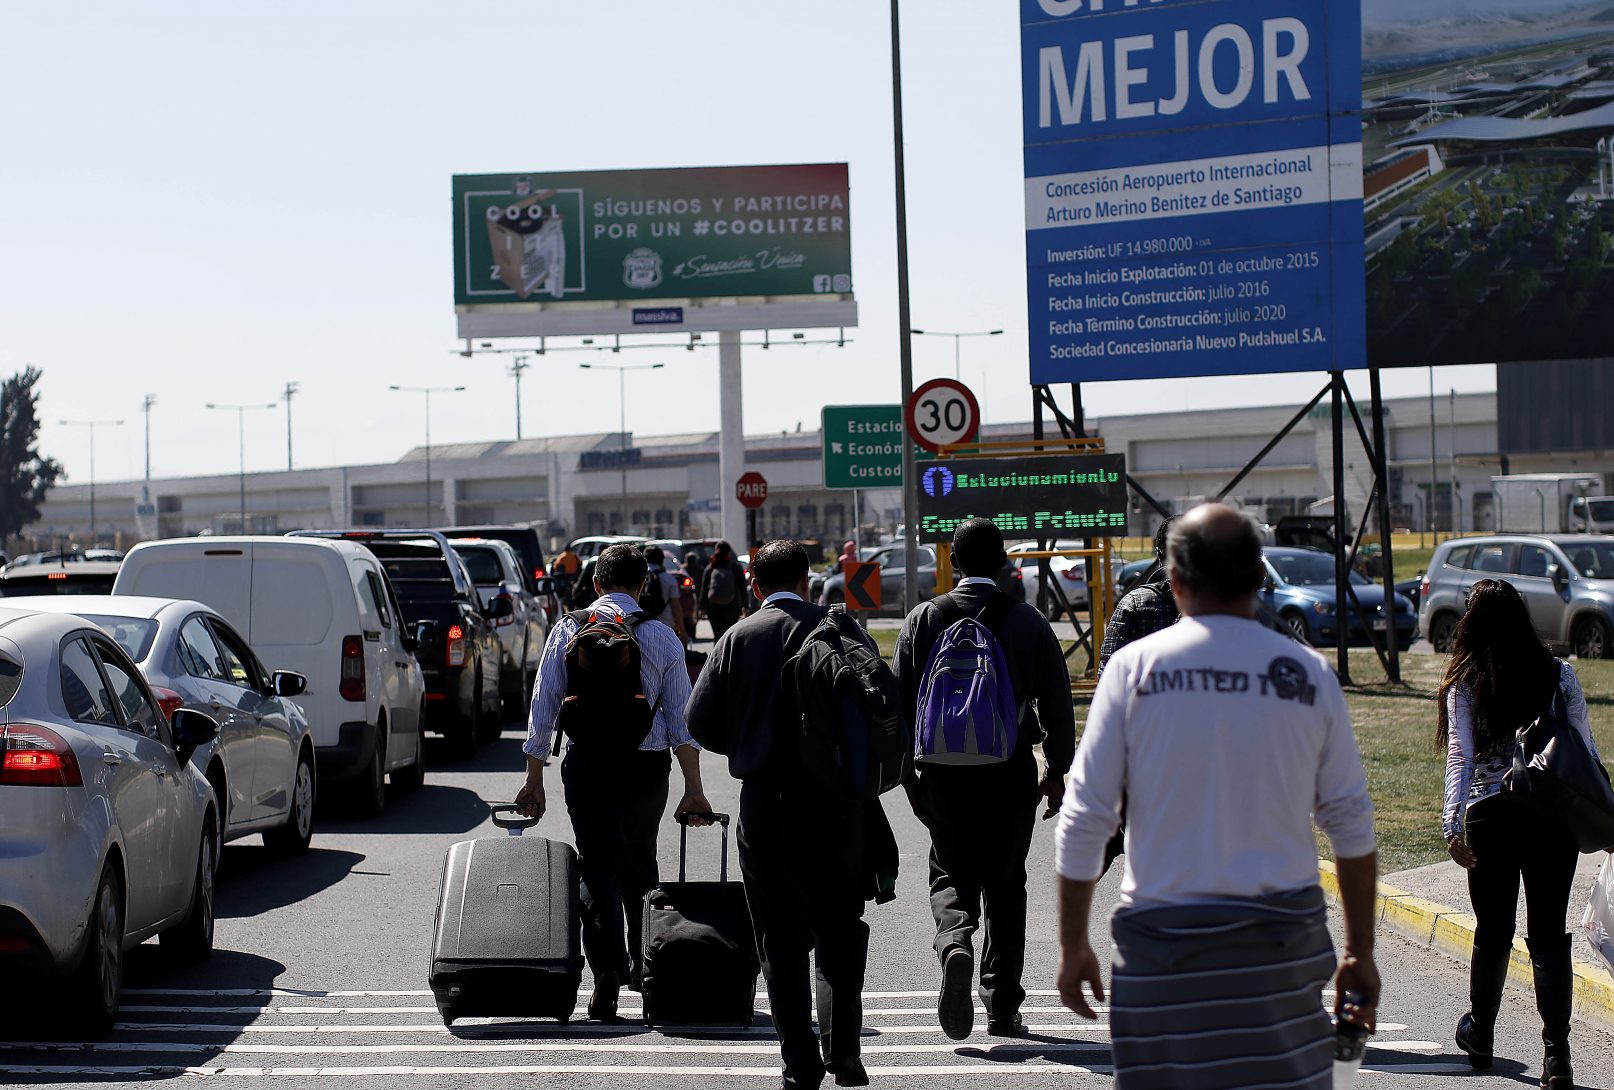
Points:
(1193, 187)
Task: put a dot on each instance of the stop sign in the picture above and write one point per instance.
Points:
(752, 490)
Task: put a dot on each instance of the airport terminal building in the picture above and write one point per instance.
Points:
(668, 485)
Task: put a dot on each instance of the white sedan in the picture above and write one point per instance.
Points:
(109, 832)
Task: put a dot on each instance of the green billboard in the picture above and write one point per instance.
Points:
(628, 235)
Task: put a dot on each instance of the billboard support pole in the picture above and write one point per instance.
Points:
(910, 482)
(1341, 570)
(1381, 469)
(731, 436)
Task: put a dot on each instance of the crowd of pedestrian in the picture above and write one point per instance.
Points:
(1222, 742)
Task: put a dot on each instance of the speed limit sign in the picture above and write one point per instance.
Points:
(942, 413)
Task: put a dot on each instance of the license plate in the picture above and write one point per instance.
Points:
(1380, 625)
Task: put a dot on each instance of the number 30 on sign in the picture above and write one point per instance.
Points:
(942, 413)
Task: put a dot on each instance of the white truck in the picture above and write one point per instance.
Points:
(1552, 503)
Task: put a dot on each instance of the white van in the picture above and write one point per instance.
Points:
(324, 609)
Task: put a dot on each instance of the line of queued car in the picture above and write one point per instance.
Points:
(140, 730)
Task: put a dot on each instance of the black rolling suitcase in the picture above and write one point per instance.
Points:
(700, 955)
(507, 939)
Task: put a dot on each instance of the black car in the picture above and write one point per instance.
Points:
(457, 639)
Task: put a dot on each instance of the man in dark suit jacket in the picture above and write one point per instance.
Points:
(981, 817)
(799, 855)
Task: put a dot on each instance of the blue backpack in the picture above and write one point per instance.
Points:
(967, 713)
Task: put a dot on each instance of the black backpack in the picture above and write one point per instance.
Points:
(605, 708)
(654, 599)
(852, 743)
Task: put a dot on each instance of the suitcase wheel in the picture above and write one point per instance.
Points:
(448, 1013)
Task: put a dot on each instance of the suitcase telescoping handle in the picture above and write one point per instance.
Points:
(516, 822)
(683, 843)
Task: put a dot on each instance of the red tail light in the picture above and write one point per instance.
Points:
(1018, 574)
(538, 573)
(168, 700)
(456, 646)
(352, 686)
(37, 757)
(1423, 589)
(686, 582)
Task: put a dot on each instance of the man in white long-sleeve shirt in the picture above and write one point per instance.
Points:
(1227, 741)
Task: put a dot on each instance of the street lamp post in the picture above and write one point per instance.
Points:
(145, 407)
(291, 391)
(428, 391)
(622, 370)
(240, 412)
(515, 370)
(957, 337)
(92, 425)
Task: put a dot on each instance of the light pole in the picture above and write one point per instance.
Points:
(622, 370)
(145, 407)
(957, 337)
(92, 425)
(291, 391)
(240, 412)
(428, 391)
(517, 366)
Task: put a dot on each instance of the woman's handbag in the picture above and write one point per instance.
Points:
(1555, 774)
(1597, 925)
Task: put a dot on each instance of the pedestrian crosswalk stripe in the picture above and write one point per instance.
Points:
(314, 993)
(770, 1071)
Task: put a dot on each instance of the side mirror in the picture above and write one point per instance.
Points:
(1559, 577)
(192, 730)
(289, 683)
(1269, 584)
(546, 585)
(501, 608)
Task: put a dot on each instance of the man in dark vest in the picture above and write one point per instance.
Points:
(800, 855)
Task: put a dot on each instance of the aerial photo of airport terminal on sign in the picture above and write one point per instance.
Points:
(1488, 138)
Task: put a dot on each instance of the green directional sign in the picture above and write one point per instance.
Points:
(862, 446)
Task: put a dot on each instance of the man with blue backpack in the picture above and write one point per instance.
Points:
(983, 681)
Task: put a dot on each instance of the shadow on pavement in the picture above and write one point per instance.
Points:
(503, 755)
(435, 808)
(251, 880)
(1036, 1046)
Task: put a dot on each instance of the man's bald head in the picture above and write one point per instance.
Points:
(1214, 555)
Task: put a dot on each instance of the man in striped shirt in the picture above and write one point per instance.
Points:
(616, 802)
(1229, 741)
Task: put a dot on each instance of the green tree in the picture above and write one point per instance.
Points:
(25, 476)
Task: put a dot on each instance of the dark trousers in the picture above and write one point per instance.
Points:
(722, 618)
(981, 819)
(1513, 843)
(798, 859)
(616, 804)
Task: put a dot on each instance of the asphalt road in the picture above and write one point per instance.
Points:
(320, 972)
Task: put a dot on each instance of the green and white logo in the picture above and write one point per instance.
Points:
(641, 269)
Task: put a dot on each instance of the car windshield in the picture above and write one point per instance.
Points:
(483, 562)
(1309, 570)
(1592, 559)
(134, 634)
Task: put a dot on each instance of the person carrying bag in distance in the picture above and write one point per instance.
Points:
(614, 682)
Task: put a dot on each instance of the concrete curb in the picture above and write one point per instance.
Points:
(1452, 933)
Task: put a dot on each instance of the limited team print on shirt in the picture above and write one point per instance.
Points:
(1285, 679)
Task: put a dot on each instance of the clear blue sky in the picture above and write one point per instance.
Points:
(202, 201)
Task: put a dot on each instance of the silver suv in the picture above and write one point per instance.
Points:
(1567, 580)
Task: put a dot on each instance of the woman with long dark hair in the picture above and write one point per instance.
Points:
(723, 593)
(1501, 677)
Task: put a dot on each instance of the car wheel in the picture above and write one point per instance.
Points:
(93, 991)
(1441, 631)
(1295, 625)
(465, 736)
(412, 776)
(221, 796)
(293, 837)
(192, 940)
(1590, 639)
(372, 796)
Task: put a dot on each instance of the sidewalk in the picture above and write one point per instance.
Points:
(1428, 905)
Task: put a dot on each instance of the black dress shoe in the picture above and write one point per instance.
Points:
(848, 1072)
(1010, 1026)
(955, 1006)
(602, 1004)
(1475, 1042)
